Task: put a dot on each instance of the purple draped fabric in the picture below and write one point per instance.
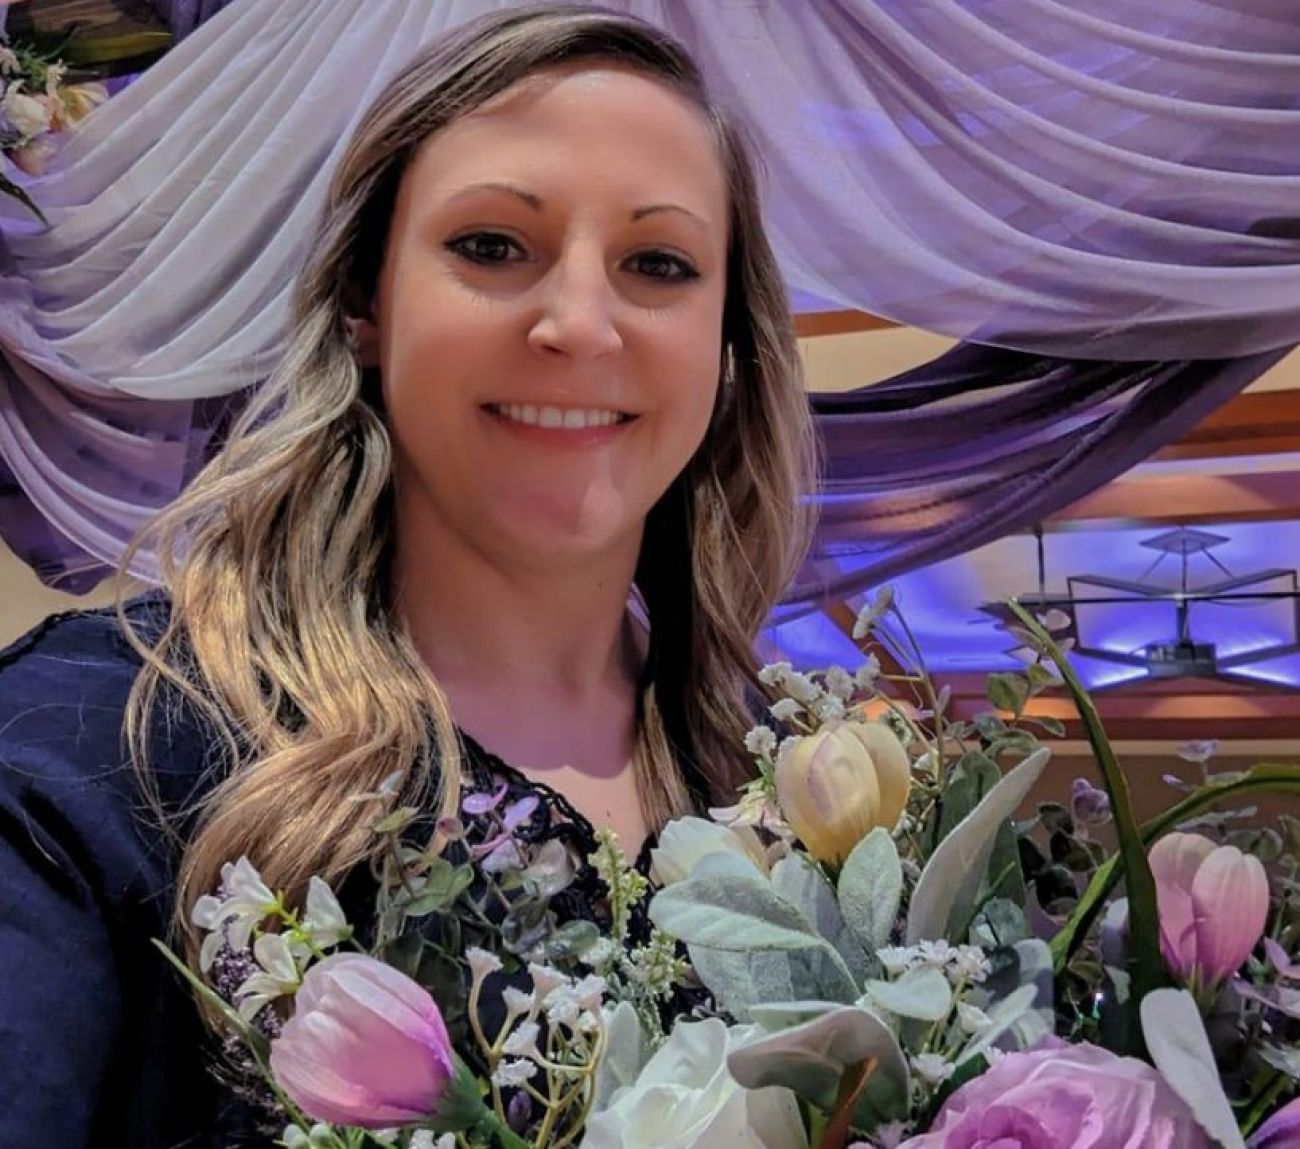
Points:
(981, 443)
(1102, 181)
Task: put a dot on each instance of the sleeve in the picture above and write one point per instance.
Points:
(90, 1020)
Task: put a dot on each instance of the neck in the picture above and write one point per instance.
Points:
(550, 632)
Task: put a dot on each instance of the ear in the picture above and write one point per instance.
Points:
(363, 338)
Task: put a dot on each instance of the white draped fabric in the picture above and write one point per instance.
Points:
(1107, 180)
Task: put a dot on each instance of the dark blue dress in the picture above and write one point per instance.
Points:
(100, 1042)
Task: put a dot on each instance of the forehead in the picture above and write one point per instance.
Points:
(596, 126)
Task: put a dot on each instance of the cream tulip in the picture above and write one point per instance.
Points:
(834, 787)
(684, 841)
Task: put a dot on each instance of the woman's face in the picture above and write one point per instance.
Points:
(548, 321)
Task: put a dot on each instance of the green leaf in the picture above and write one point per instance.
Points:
(1000, 922)
(1141, 886)
(443, 884)
(871, 888)
(85, 51)
(1008, 692)
(924, 994)
(945, 897)
(1180, 1048)
(727, 906)
(397, 821)
(797, 880)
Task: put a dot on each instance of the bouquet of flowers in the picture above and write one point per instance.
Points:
(867, 949)
(35, 105)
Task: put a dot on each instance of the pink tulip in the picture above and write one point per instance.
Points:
(1281, 1131)
(366, 1046)
(1213, 905)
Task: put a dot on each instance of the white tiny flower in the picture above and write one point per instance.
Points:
(545, 979)
(590, 991)
(870, 614)
(294, 1138)
(481, 963)
(279, 976)
(324, 922)
(424, 1139)
(937, 954)
(897, 959)
(562, 1006)
(774, 673)
(829, 708)
(932, 1068)
(968, 963)
(868, 672)
(589, 1022)
(972, 1019)
(760, 741)
(522, 1041)
(784, 709)
(600, 953)
(839, 682)
(516, 1001)
(802, 688)
(512, 1074)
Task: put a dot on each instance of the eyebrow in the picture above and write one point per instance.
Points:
(538, 204)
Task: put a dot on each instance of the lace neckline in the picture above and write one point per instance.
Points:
(486, 764)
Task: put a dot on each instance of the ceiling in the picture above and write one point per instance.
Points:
(1238, 476)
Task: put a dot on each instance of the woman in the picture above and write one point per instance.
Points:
(524, 488)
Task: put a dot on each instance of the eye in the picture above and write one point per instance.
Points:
(487, 248)
(663, 265)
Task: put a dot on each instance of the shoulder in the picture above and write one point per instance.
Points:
(67, 785)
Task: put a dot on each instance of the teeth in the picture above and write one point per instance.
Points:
(572, 419)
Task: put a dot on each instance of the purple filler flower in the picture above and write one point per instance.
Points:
(1066, 1095)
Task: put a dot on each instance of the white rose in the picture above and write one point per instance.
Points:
(686, 1098)
(685, 841)
(28, 115)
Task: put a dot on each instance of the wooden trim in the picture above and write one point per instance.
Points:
(1256, 423)
(815, 323)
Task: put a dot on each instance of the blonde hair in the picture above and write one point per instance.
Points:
(276, 557)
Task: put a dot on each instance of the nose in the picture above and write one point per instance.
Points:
(577, 311)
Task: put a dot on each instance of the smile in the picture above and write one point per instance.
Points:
(559, 418)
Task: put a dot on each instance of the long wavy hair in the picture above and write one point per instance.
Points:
(277, 557)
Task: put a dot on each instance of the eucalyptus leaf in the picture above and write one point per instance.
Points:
(923, 994)
(1004, 1013)
(727, 904)
(871, 888)
(1008, 692)
(805, 887)
(742, 982)
(625, 1054)
(811, 1058)
(1000, 922)
(945, 895)
(1175, 1036)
